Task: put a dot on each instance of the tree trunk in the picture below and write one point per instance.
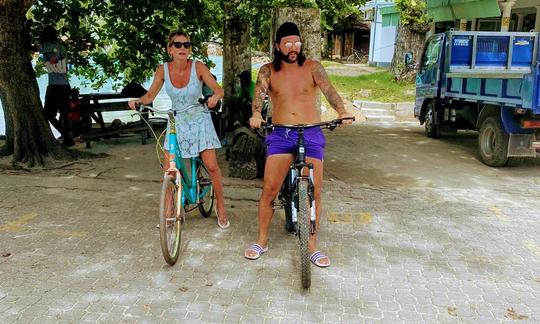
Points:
(407, 40)
(326, 46)
(236, 59)
(28, 136)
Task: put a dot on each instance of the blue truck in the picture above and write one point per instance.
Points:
(484, 81)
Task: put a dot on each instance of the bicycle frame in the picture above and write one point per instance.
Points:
(296, 176)
(288, 194)
(177, 165)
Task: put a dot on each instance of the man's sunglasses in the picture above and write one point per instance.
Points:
(289, 45)
(180, 44)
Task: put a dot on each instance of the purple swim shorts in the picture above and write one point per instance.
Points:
(283, 141)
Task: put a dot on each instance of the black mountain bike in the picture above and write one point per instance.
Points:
(297, 194)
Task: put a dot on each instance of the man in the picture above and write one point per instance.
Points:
(57, 97)
(291, 80)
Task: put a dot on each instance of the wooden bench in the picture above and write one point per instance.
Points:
(94, 104)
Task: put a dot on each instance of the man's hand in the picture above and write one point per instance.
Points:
(255, 121)
(346, 115)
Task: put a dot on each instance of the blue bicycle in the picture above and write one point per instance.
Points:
(182, 191)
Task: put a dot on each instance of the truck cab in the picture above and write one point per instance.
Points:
(484, 81)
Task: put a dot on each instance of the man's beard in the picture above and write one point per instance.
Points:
(286, 58)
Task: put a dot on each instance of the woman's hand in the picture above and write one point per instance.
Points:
(212, 101)
(134, 104)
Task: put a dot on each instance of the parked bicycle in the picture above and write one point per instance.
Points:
(297, 195)
(357, 57)
(182, 191)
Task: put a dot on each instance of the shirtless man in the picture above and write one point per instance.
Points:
(292, 81)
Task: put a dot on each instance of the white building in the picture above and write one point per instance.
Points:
(384, 21)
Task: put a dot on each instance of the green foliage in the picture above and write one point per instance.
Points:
(412, 13)
(124, 41)
(259, 12)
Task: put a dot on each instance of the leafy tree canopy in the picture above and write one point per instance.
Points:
(258, 13)
(413, 14)
(124, 40)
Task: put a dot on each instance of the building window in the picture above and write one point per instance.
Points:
(489, 24)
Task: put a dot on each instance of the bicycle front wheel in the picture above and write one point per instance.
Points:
(285, 198)
(171, 219)
(205, 191)
(303, 231)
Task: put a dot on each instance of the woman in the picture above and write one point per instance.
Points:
(183, 78)
(58, 92)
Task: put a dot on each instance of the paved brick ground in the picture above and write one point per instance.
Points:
(432, 236)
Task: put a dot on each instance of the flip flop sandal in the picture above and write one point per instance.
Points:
(257, 249)
(224, 226)
(316, 258)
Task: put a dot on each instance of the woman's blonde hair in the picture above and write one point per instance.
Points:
(175, 34)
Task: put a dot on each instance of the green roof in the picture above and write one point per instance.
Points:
(449, 10)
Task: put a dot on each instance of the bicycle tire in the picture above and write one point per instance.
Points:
(304, 232)
(170, 222)
(207, 202)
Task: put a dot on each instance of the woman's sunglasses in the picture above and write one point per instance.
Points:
(179, 44)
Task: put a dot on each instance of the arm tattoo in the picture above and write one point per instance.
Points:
(321, 79)
(261, 89)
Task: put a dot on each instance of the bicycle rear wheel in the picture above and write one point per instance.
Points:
(171, 219)
(206, 202)
(303, 231)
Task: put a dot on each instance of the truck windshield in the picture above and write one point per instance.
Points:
(431, 54)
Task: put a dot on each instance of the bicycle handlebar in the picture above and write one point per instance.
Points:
(332, 124)
(202, 101)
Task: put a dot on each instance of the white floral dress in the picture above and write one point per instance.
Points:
(194, 128)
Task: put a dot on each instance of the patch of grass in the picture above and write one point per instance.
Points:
(326, 64)
(378, 86)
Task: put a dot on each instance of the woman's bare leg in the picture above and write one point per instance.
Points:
(210, 161)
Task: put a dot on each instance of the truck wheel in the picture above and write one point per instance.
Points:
(493, 142)
(429, 123)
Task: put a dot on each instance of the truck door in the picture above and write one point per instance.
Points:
(427, 79)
